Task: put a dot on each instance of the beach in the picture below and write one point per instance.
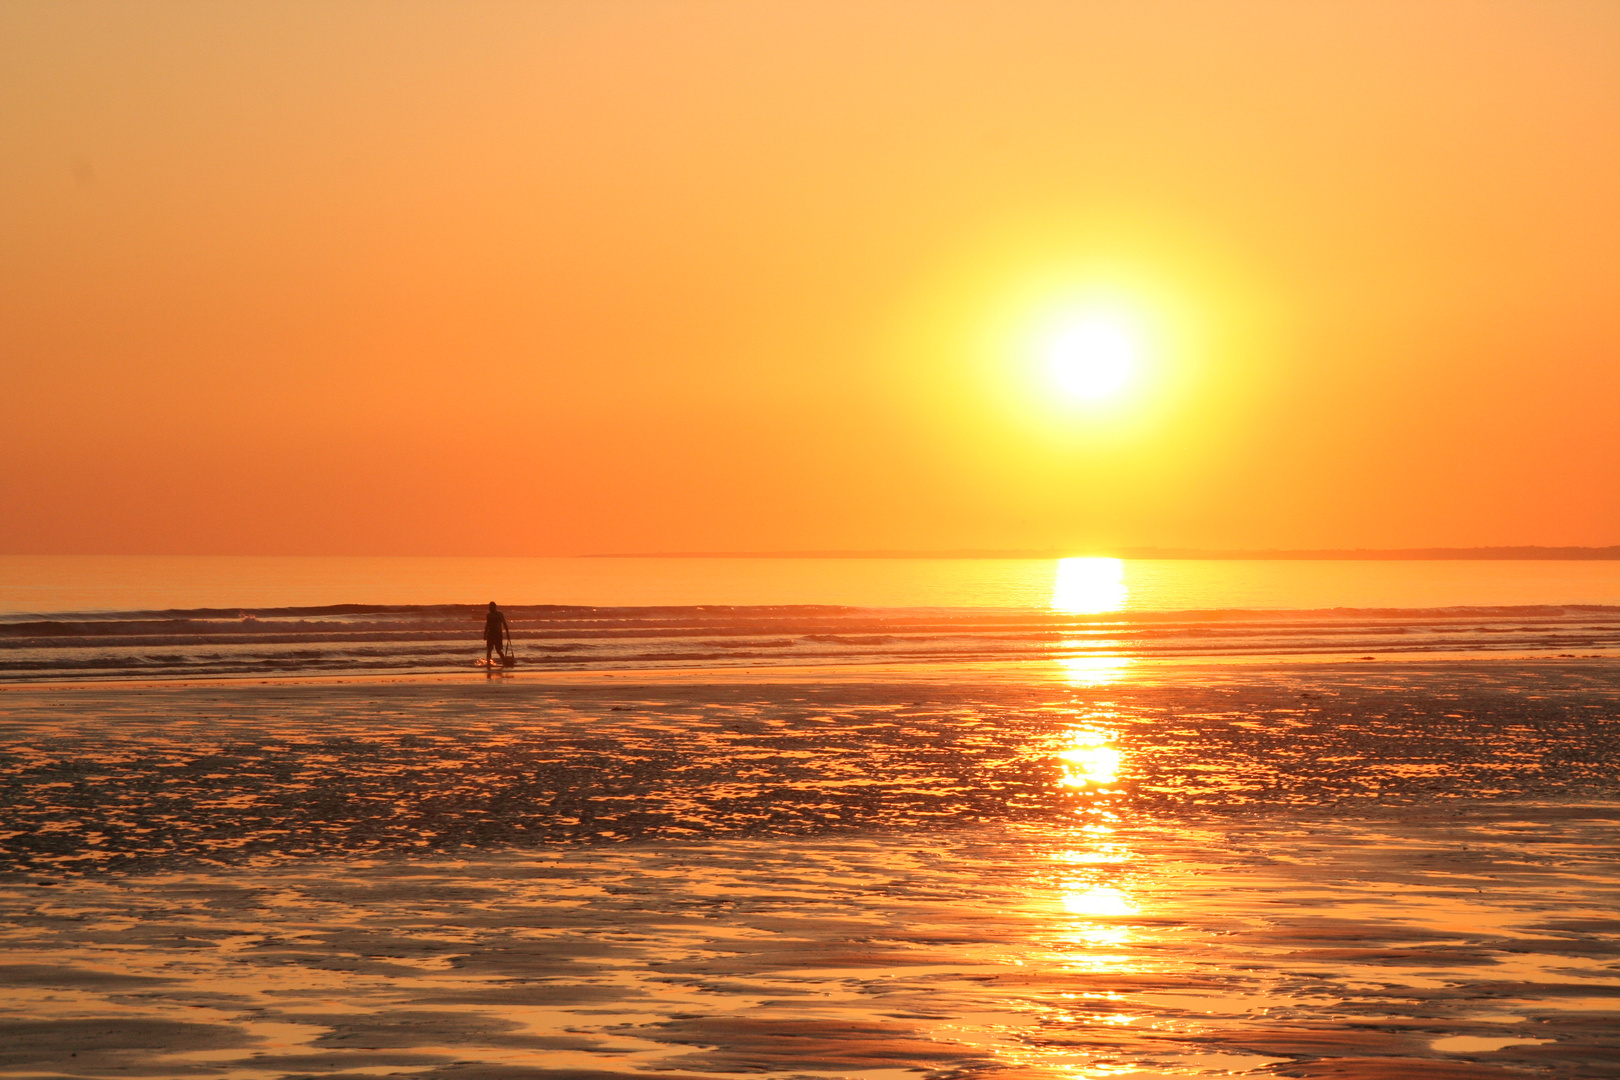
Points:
(713, 540)
(1325, 869)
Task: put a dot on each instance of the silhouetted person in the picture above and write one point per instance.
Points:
(497, 634)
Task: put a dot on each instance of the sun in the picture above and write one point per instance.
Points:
(1092, 358)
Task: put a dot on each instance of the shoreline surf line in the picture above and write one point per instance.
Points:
(1033, 671)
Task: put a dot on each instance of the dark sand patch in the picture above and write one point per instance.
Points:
(1394, 1069)
(110, 1044)
(63, 978)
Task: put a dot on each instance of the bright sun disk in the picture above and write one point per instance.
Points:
(1092, 359)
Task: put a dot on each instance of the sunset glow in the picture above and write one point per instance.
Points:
(573, 278)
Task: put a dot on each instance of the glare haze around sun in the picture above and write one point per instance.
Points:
(1092, 358)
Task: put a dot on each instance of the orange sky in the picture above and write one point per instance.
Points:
(551, 278)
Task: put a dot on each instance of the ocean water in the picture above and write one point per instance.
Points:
(108, 617)
(31, 584)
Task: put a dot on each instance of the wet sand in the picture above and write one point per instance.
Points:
(1304, 870)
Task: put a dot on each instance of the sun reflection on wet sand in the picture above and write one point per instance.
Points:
(1094, 902)
(1099, 900)
(1091, 760)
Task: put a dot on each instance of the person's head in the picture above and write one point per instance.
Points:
(492, 605)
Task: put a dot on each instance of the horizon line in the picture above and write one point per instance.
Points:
(1521, 552)
(1434, 554)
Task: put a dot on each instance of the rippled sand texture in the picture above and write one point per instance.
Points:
(1304, 872)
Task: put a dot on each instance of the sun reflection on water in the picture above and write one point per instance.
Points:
(1089, 586)
(1093, 670)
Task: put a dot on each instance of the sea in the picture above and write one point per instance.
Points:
(119, 617)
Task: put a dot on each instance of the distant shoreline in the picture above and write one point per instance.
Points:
(1321, 554)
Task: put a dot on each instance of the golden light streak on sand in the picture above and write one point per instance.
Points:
(1099, 939)
(1105, 853)
(1099, 900)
